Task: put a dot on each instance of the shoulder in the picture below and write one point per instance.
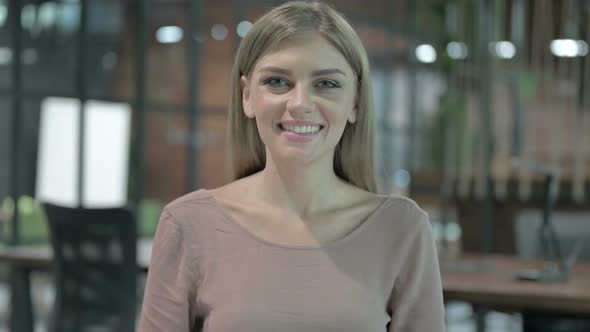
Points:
(179, 241)
(407, 231)
(198, 197)
(407, 205)
(405, 214)
(187, 211)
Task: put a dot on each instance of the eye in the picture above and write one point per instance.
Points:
(275, 82)
(329, 84)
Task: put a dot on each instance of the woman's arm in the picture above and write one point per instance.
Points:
(417, 301)
(171, 282)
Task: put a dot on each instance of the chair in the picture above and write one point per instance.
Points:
(95, 268)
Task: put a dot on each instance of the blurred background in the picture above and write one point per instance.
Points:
(482, 107)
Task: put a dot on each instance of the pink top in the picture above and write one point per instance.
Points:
(208, 273)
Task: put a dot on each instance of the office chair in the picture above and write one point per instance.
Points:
(95, 268)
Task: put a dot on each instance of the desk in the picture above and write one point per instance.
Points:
(41, 258)
(488, 280)
(24, 259)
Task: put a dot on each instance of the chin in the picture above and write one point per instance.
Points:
(303, 159)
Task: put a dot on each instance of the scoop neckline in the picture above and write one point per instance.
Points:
(368, 220)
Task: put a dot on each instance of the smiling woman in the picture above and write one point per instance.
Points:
(291, 26)
(296, 96)
(300, 241)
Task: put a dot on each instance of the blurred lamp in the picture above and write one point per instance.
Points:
(47, 14)
(28, 16)
(503, 49)
(3, 14)
(568, 48)
(243, 28)
(426, 53)
(402, 178)
(457, 50)
(219, 31)
(169, 34)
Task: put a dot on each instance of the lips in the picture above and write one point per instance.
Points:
(307, 129)
(300, 131)
(300, 126)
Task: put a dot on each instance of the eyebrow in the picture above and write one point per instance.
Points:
(319, 72)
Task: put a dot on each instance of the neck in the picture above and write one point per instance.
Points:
(301, 190)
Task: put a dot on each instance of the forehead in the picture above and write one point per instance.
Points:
(307, 52)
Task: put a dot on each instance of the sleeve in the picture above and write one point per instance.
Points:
(171, 284)
(417, 299)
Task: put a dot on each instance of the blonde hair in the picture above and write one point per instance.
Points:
(353, 158)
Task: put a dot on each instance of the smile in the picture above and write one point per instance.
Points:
(303, 130)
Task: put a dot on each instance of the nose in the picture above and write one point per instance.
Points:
(301, 100)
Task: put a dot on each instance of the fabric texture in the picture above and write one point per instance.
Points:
(208, 273)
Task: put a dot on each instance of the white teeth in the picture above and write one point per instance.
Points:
(302, 129)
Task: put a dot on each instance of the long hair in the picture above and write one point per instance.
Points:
(353, 158)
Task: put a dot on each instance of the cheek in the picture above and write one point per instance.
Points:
(268, 112)
(267, 103)
(337, 112)
(269, 109)
(265, 131)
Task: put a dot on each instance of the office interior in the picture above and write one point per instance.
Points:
(482, 111)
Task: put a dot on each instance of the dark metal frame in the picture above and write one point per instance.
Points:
(140, 104)
(16, 44)
(487, 17)
(195, 10)
(81, 89)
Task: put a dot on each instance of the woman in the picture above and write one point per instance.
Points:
(300, 241)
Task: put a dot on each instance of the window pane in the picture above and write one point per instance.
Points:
(49, 47)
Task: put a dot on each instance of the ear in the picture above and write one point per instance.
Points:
(352, 116)
(246, 97)
(353, 113)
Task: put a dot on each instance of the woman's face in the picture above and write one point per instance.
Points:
(301, 94)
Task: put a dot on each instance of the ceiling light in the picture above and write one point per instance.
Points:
(568, 48)
(243, 28)
(219, 31)
(504, 49)
(169, 34)
(426, 53)
(457, 50)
